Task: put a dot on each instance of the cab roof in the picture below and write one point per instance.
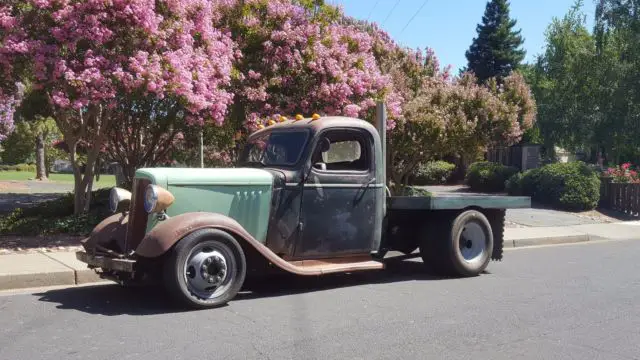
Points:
(319, 124)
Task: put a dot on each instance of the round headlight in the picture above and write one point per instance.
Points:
(113, 200)
(118, 198)
(157, 199)
(150, 198)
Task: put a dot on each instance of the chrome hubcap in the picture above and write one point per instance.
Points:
(209, 269)
(473, 242)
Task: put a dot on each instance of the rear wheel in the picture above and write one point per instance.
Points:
(205, 269)
(461, 247)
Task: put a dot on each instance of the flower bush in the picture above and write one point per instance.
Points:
(622, 174)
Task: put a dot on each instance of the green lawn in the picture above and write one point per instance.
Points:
(105, 180)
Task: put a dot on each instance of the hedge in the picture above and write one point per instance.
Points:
(433, 173)
(487, 176)
(573, 186)
(19, 167)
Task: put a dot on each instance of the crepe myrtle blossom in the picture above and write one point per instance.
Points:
(292, 63)
(95, 50)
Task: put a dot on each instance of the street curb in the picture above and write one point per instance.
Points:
(22, 281)
(548, 240)
(82, 274)
(32, 270)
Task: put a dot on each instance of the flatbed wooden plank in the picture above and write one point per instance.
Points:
(455, 201)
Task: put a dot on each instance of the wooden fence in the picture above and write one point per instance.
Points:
(620, 197)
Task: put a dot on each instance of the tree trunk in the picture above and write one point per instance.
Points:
(78, 189)
(41, 172)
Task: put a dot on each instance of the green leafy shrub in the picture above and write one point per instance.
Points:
(514, 184)
(19, 167)
(412, 191)
(56, 217)
(433, 173)
(572, 186)
(488, 176)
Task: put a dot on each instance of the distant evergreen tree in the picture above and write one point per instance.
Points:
(496, 51)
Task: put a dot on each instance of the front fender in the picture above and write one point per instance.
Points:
(168, 232)
(111, 229)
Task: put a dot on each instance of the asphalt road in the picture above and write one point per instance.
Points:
(564, 302)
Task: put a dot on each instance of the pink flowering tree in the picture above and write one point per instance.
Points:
(99, 60)
(297, 61)
(14, 50)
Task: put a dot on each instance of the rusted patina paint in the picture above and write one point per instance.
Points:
(159, 240)
(111, 230)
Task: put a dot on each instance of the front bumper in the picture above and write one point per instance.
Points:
(106, 263)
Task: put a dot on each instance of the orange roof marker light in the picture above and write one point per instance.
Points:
(315, 117)
(299, 117)
(260, 126)
(282, 118)
(271, 122)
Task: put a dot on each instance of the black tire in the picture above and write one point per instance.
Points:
(204, 244)
(442, 252)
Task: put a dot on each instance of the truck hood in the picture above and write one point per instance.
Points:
(166, 177)
(243, 194)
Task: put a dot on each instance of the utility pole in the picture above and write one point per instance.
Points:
(201, 148)
(381, 125)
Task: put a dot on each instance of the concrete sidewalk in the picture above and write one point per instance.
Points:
(19, 271)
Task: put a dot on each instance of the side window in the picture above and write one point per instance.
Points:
(349, 151)
(343, 151)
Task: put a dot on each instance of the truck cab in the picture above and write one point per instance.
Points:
(307, 197)
(328, 188)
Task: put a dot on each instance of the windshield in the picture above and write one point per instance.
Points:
(278, 148)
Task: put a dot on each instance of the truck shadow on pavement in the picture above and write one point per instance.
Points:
(397, 270)
(114, 300)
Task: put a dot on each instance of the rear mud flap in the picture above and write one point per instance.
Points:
(496, 218)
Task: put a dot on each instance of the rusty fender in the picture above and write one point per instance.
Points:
(113, 228)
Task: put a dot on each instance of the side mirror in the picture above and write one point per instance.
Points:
(320, 166)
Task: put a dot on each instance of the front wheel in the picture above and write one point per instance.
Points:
(462, 247)
(205, 269)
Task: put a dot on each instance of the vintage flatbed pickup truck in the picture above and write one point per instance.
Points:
(308, 197)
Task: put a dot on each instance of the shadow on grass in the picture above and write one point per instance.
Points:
(617, 214)
(114, 300)
(15, 242)
(12, 201)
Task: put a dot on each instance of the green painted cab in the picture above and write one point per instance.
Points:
(243, 194)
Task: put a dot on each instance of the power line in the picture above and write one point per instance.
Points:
(391, 12)
(373, 8)
(413, 17)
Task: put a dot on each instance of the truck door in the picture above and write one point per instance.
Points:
(338, 212)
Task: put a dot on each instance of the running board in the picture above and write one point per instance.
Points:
(337, 265)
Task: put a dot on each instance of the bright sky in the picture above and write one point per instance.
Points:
(449, 26)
